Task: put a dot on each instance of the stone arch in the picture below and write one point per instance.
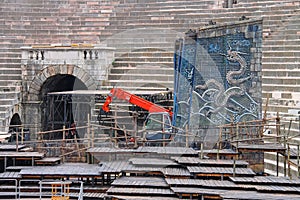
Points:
(52, 70)
(14, 127)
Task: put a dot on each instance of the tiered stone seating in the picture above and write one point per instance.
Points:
(280, 65)
(143, 33)
(42, 23)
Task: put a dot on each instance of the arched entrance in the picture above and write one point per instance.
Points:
(59, 107)
(15, 127)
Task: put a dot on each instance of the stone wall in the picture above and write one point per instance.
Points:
(90, 65)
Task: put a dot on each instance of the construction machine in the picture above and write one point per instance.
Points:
(158, 124)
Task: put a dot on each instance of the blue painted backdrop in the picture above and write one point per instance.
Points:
(214, 81)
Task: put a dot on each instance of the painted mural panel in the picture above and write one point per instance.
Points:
(218, 76)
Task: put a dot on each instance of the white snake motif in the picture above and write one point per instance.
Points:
(221, 99)
(235, 56)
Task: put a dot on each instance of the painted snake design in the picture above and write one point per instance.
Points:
(221, 98)
(235, 56)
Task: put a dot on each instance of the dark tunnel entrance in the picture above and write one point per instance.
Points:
(59, 107)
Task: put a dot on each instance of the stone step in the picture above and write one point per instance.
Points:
(295, 96)
(10, 60)
(8, 102)
(265, 1)
(144, 59)
(179, 11)
(253, 10)
(8, 71)
(283, 42)
(293, 103)
(281, 65)
(4, 115)
(141, 63)
(279, 87)
(148, 37)
(273, 48)
(151, 70)
(281, 80)
(168, 6)
(141, 83)
(278, 73)
(145, 76)
(246, 4)
(11, 77)
(9, 94)
(293, 20)
(173, 3)
(283, 110)
(10, 65)
(10, 88)
(283, 35)
(136, 88)
(280, 59)
(9, 83)
(133, 47)
(5, 108)
(280, 53)
(147, 52)
(142, 51)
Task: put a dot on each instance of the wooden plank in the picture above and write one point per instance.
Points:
(27, 155)
(263, 180)
(123, 197)
(68, 169)
(177, 172)
(152, 162)
(10, 175)
(10, 147)
(201, 183)
(265, 147)
(138, 191)
(220, 170)
(48, 160)
(155, 150)
(140, 182)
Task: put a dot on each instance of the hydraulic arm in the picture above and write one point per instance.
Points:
(133, 99)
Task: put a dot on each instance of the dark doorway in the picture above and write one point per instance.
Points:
(15, 128)
(58, 109)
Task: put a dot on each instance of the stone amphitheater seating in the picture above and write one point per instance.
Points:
(143, 33)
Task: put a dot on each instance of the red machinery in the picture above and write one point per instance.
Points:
(133, 99)
(157, 126)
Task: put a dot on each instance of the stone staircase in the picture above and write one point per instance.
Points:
(26, 23)
(143, 33)
(281, 59)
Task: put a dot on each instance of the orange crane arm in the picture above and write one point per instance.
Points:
(133, 99)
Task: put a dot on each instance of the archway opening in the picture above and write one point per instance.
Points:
(59, 107)
(15, 128)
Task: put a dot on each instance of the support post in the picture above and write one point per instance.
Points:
(17, 140)
(285, 156)
(88, 131)
(277, 164)
(219, 143)
(289, 164)
(186, 137)
(22, 134)
(136, 129)
(201, 154)
(116, 133)
(298, 163)
(63, 143)
(93, 136)
(234, 167)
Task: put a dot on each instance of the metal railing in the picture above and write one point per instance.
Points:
(56, 189)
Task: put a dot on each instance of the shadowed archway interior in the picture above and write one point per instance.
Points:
(58, 110)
